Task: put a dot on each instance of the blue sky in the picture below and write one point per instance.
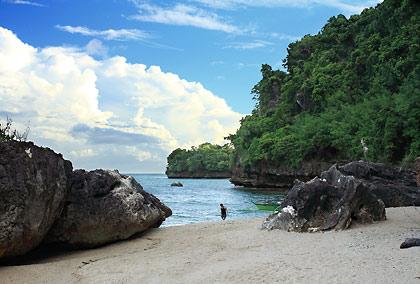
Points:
(207, 55)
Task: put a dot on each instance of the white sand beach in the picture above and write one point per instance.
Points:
(239, 252)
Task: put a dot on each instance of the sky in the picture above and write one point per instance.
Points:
(119, 84)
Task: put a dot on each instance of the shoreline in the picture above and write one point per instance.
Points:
(237, 251)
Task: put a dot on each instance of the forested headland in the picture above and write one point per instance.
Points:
(204, 161)
(350, 92)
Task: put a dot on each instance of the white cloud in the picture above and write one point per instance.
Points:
(183, 15)
(343, 5)
(24, 2)
(96, 47)
(106, 113)
(282, 36)
(110, 34)
(139, 154)
(84, 153)
(249, 45)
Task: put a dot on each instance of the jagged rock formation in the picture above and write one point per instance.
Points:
(332, 201)
(34, 183)
(42, 199)
(358, 191)
(105, 206)
(282, 177)
(395, 186)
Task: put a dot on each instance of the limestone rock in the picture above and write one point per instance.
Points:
(408, 243)
(199, 174)
(33, 186)
(395, 186)
(333, 201)
(105, 206)
(265, 175)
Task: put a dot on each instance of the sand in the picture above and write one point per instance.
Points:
(239, 252)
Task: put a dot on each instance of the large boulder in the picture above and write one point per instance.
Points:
(332, 201)
(395, 186)
(105, 206)
(33, 187)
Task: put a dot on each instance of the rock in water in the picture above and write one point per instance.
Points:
(395, 186)
(177, 184)
(333, 201)
(33, 186)
(105, 206)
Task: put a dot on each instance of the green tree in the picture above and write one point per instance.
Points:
(204, 158)
(358, 78)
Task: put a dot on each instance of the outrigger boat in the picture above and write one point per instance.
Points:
(267, 206)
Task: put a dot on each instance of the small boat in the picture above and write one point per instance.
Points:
(267, 206)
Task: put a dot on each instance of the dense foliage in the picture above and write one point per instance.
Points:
(204, 158)
(359, 78)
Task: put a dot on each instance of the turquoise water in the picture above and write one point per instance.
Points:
(198, 200)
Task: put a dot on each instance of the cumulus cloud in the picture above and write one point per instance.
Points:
(182, 15)
(106, 113)
(96, 47)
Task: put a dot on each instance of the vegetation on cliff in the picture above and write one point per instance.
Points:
(8, 133)
(358, 78)
(206, 158)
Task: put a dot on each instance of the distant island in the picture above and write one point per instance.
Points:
(205, 161)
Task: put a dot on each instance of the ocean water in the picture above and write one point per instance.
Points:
(198, 200)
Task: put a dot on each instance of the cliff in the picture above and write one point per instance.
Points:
(350, 93)
(199, 174)
(264, 175)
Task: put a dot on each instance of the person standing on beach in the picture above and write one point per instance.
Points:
(223, 211)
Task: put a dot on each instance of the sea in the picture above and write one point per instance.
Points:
(198, 200)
